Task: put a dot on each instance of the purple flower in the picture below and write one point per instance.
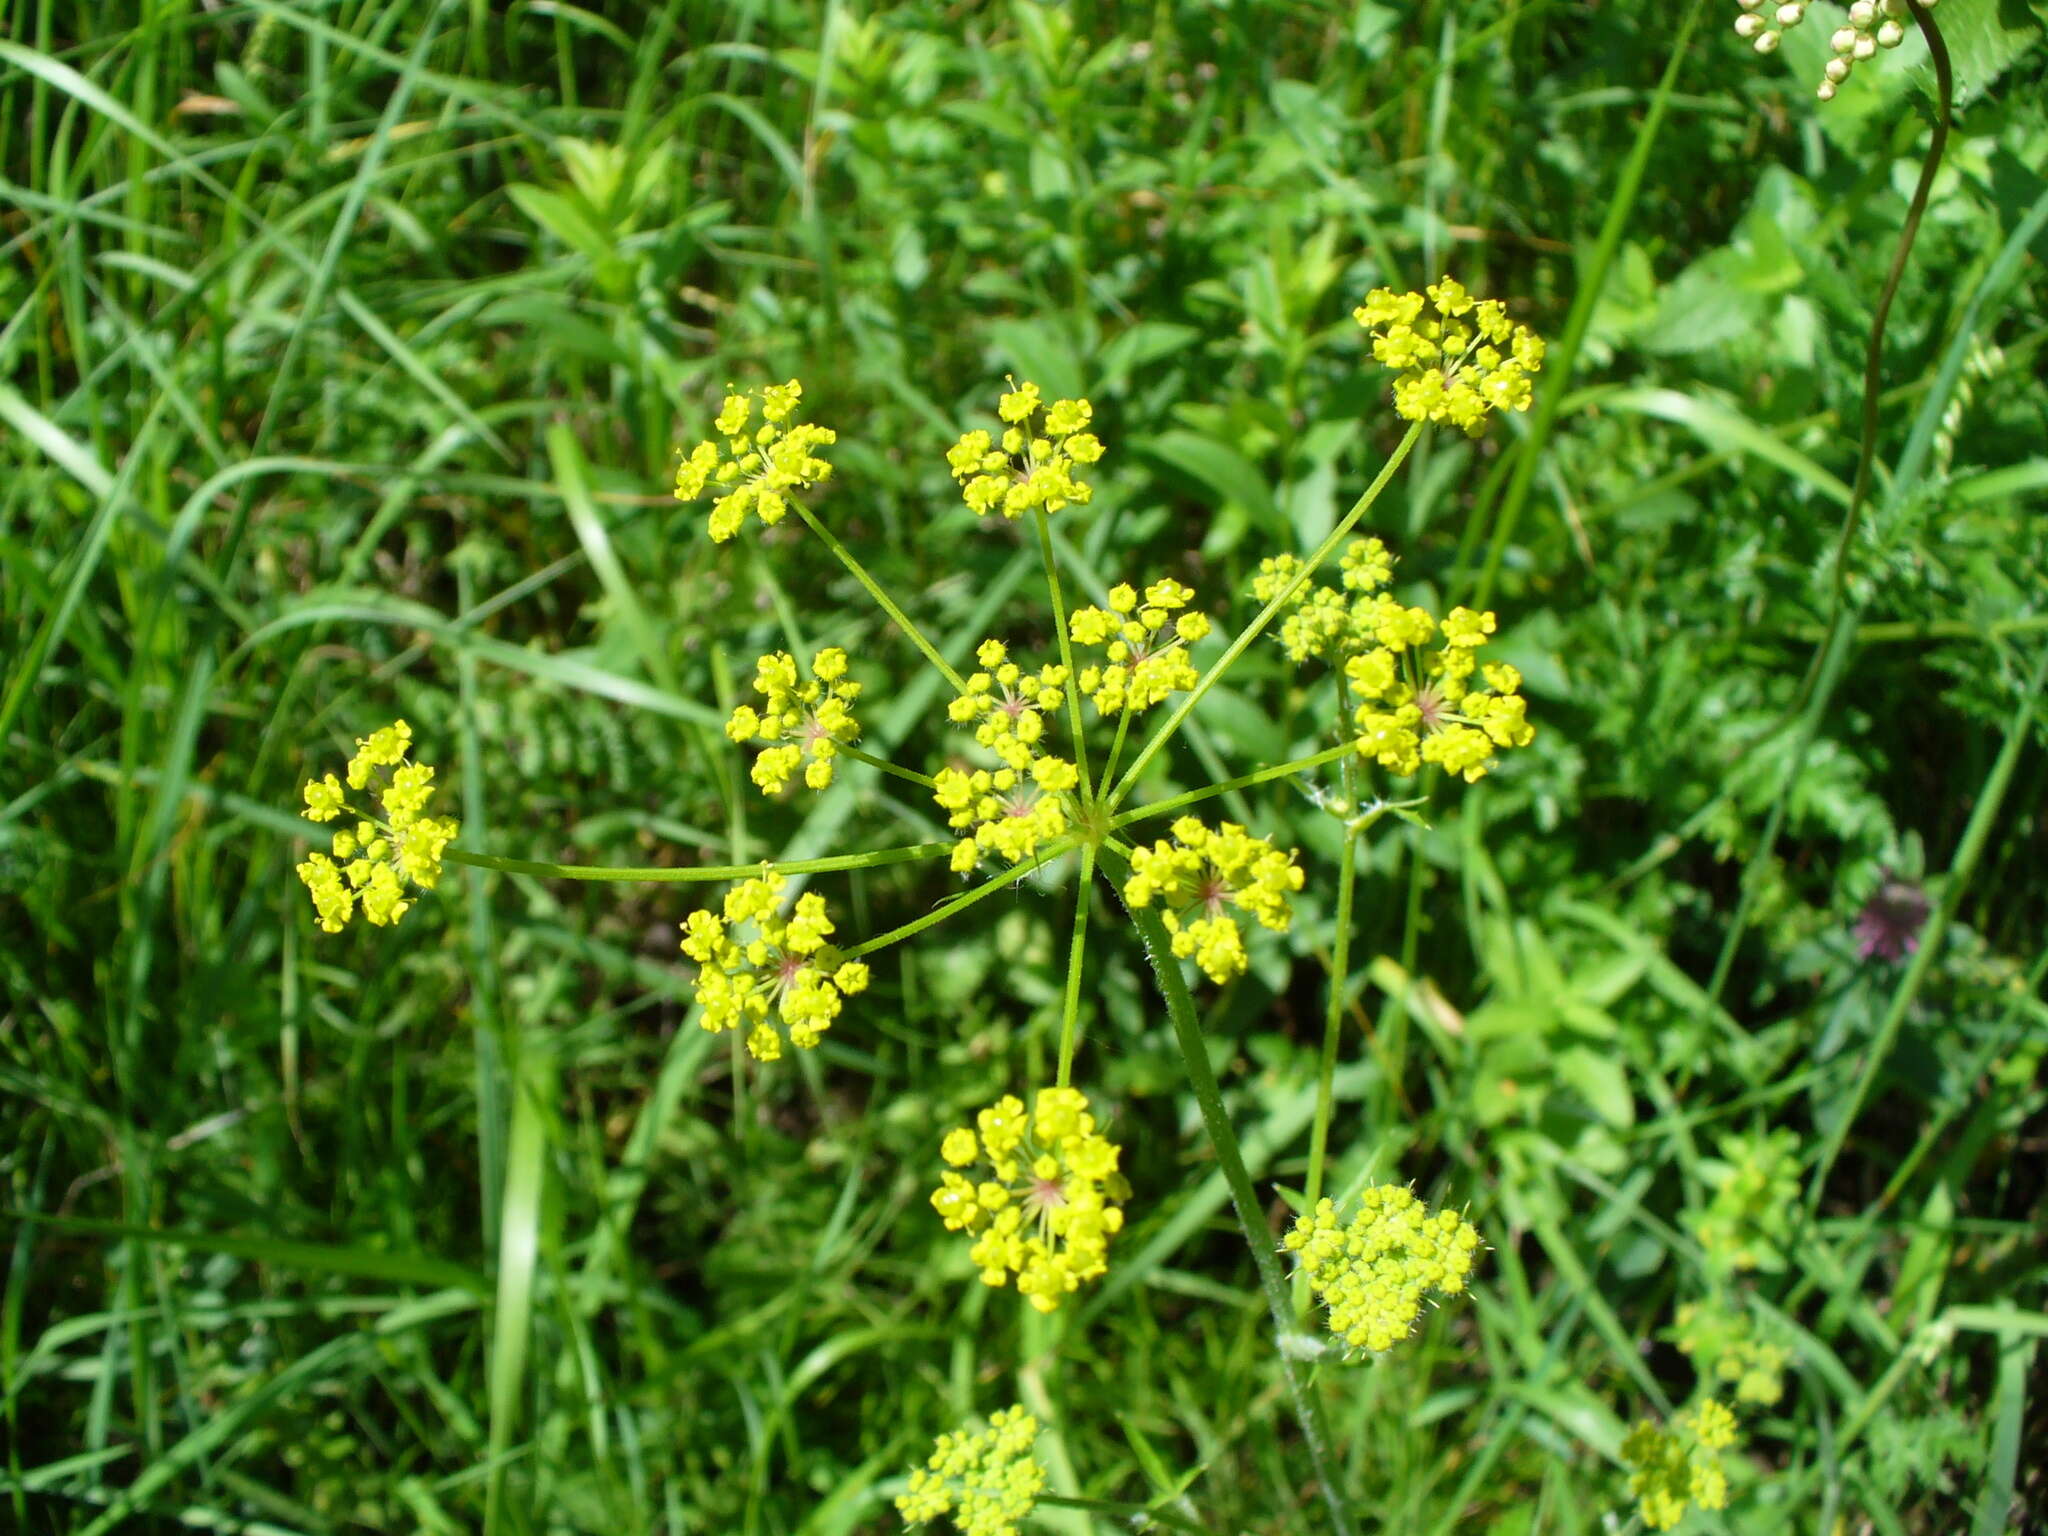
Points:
(1889, 925)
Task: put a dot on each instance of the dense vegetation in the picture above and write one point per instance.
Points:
(347, 348)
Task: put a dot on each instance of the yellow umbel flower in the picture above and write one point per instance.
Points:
(1032, 464)
(1723, 1345)
(1415, 709)
(383, 853)
(1144, 647)
(1007, 706)
(757, 468)
(987, 1481)
(1676, 1467)
(1206, 873)
(1052, 1200)
(1326, 622)
(1006, 812)
(1375, 1272)
(1460, 362)
(808, 719)
(785, 982)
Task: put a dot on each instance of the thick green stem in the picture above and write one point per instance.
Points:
(1059, 620)
(1258, 1236)
(696, 873)
(1210, 791)
(963, 901)
(882, 599)
(1258, 625)
(1070, 1006)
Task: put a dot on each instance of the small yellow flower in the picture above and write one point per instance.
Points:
(1724, 1345)
(805, 721)
(1460, 362)
(1375, 1272)
(383, 853)
(987, 1481)
(1027, 467)
(1144, 647)
(1205, 874)
(1414, 709)
(757, 470)
(1677, 1467)
(1007, 706)
(1053, 1199)
(784, 983)
(1006, 813)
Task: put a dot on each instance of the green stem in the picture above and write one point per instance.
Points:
(659, 875)
(1258, 625)
(1832, 659)
(1070, 1006)
(882, 599)
(1333, 1018)
(1975, 833)
(885, 765)
(1209, 792)
(1116, 749)
(1251, 1220)
(963, 901)
(1059, 620)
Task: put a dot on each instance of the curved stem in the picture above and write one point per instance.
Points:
(1059, 621)
(696, 873)
(882, 599)
(1210, 791)
(1244, 1200)
(1831, 659)
(1070, 1005)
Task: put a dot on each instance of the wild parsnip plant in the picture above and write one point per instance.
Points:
(1039, 1188)
(1592, 1085)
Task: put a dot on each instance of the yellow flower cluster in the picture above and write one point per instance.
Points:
(1748, 1223)
(987, 1481)
(810, 720)
(1007, 706)
(1414, 710)
(1723, 1344)
(1375, 1271)
(1459, 363)
(784, 982)
(1032, 465)
(1328, 622)
(1144, 647)
(1206, 873)
(380, 854)
(1675, 1467)
(1008, 812)
(758, 467)
(1052, 1201)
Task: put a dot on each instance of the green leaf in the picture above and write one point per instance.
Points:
(1985, 38)
(1599, 1079)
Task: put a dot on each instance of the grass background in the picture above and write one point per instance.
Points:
(346, 350)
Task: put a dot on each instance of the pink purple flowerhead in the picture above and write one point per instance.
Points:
(1888, 927)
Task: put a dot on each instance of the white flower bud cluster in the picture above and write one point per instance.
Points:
(1873, 24)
